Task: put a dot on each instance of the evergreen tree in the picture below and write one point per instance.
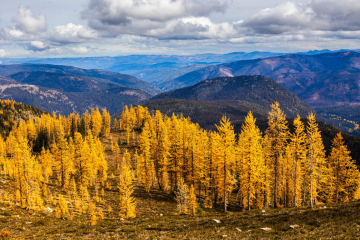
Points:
(226, 159)
(344, 175)
(315, 166)
(127, 201)
(252, 159)
(277, 132)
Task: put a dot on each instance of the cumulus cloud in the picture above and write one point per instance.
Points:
(138, 25)
(283, 18)
(318, 15)
(37, 46)
(2, 53)
(27, 22)
(114, 12)
(15, 33)
(72, 33)
(193, 28)
(79, 50)
(178, 19)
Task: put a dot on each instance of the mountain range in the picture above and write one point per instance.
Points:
(320, 80)
(65, 89)
(155, 69)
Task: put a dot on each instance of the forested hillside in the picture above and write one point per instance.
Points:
(85, 176)
(206, 113)
(258, 90)
(12, 112)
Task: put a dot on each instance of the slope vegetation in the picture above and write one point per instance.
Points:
(11, 113)
(254, 89)
(205, 113)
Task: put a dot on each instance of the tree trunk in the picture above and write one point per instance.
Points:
(225, 206)
(311, 192)
(337, 182)
(276, 182)
(249, 192)
(294, 185)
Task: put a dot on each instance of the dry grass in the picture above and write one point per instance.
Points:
(158, 219)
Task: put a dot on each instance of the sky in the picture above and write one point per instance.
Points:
(83, 28)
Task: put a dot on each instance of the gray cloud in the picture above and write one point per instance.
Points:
(318, 15)
(151, 17)
(176, 25)
(114, 12)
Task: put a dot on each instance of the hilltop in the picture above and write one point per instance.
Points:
(254, 89)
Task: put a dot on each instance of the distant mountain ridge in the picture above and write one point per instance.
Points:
(301, 74)
(254, 89)
(123, 79)
(65, 103)
(154, 69)
(63, 82)
(66, 89)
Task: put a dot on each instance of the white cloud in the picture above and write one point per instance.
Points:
(15, 33)
(55, 51)
(38, 45)
(72, 33)
(2, 53)
(79, 50)
(192, 28)
(27, 22)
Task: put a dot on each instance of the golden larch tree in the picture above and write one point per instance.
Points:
(127, 201)
(277, 132)
(344, 173)
(226, 159)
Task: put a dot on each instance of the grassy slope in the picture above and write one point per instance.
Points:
(335, 221)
